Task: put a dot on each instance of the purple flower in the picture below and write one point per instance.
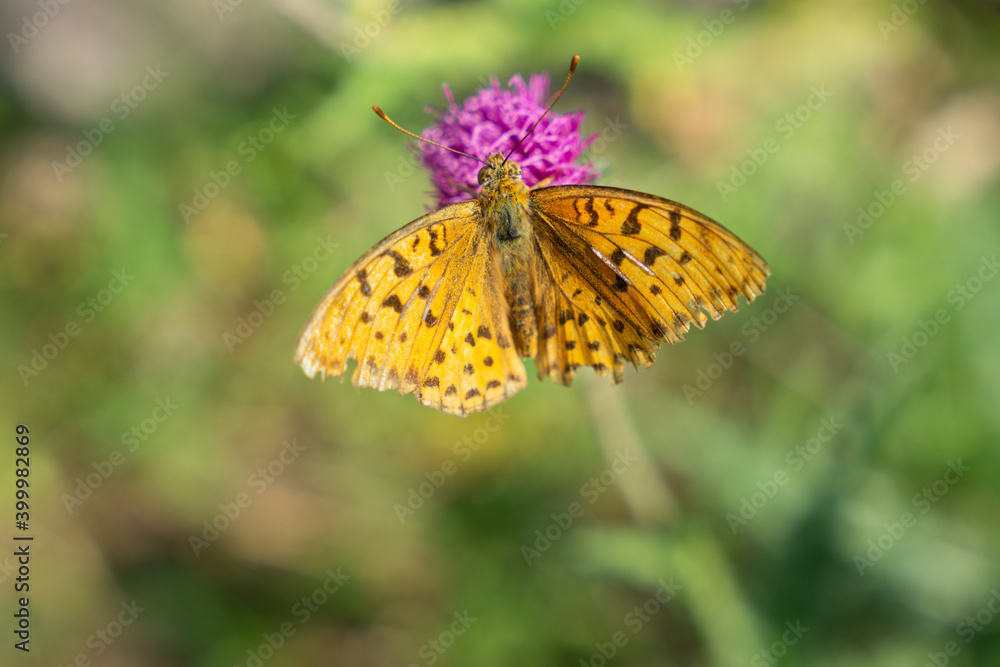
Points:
(492, 121)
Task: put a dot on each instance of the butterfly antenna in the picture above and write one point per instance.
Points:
(572, 68)
(418, 137)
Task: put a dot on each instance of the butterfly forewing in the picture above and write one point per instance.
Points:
(645, 267)
(407, 310)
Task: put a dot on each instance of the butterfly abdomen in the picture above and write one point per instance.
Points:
(515, 263)
(515, 250)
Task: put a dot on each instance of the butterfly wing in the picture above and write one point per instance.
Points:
(619, 271)
(421, 312)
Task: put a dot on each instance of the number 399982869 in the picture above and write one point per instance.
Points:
(22, 471)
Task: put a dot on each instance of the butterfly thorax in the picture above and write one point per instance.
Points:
(505, 210)
(503, 199)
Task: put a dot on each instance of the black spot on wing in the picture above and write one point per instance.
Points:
(588, 207)
(432, 243)
(675, 224)
(402, 267)
(362, 277)
(650, 256)
(392, 301)
(632, 226)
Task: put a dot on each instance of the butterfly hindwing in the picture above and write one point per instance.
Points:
(580, 320)
(469, 361)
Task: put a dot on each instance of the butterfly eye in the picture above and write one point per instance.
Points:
(483, 174)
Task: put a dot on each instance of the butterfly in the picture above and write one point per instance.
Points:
(570, 276)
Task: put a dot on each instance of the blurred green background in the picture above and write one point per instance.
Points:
(825, 496)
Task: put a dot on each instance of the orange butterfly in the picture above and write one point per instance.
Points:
(569, 275)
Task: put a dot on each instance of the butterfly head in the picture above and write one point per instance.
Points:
(498, 169)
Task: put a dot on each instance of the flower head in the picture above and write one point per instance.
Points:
(493, 120)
